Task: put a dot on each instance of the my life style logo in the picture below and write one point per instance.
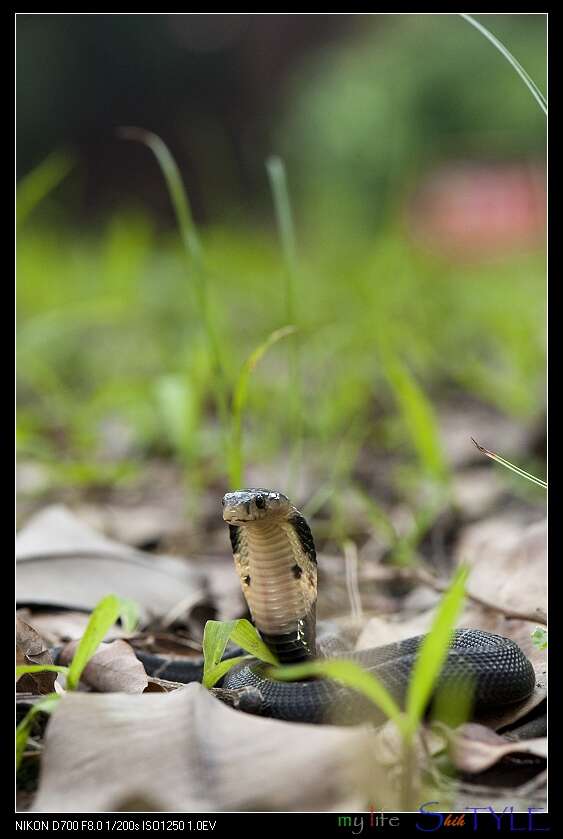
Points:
(429, 819)
(476, 818)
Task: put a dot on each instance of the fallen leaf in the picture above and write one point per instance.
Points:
(508, 560)
(155, 685)
(190, 752)
(113, 668)
(32, 649)
(61, 562)
(474, 748)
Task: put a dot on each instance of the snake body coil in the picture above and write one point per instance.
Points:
(274, 554)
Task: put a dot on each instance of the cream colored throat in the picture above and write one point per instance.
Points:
(282, 585)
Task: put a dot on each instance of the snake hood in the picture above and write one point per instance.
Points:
(275, 558)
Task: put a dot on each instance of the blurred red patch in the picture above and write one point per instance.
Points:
(480, 210)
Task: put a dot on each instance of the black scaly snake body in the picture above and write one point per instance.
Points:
(274, 555)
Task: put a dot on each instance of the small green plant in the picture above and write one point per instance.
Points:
(539, 638)
(108, 610)
(216, 636)
(236, 455)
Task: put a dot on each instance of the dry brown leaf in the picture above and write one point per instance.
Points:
(508, 560)
(113, 668)
(188, 751)
(474, 748)
(161, 685)
(62, 562)
(32, 649)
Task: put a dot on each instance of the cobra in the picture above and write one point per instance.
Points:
(274, 555)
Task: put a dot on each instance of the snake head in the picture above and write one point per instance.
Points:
(251, 505)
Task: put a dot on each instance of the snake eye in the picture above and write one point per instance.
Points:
(260, 502)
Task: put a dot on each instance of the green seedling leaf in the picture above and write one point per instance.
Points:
(212, 676)
(539, 638)
(45, 705)
(508, 465)
(348, 673)
(246, 636)
(216, 636)
(101, 620)
(434, 650)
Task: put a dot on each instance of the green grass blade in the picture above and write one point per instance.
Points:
(22, 669)
(101, 620)
(216, 636)
(192, 247)
(176, 190)
(418, 417)
(348, 673)
(434, 650)
(236, 459)
(23, 730)
(38, 183)
(526, 78)
(286, 229)
(508, 465)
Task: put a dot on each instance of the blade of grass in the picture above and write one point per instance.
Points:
(418, 416)
(216, 636)
(286, 230)
(38, 183)
(508, 465)
(526, 78)
(101, 620)
(434, 650)
(236, 459)
(348, 673)
(192, 248)
(23, 730)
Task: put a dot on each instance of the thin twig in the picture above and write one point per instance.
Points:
(352, 585)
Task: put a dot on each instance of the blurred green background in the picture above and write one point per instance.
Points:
(415, 161)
